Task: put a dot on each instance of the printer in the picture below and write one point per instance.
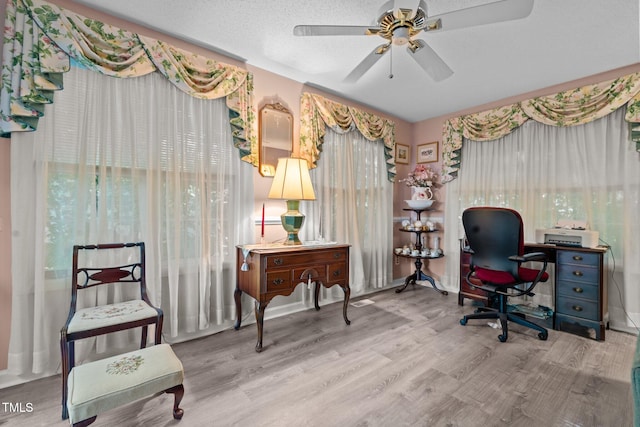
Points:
(568, 233)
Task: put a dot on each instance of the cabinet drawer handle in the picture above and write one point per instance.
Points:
(278, 261)
(578, 290)
(337, 255)
(278, 281)
(577, 258)
(576, 308)
(336, 273)
(578, 273)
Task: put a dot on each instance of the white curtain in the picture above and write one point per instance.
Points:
(124, 160)
(354, 205)
(588, 172)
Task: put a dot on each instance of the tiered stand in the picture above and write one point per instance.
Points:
(419, 274)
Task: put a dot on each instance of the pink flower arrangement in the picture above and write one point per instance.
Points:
(421, 176)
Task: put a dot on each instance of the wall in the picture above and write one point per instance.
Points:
(269, 88)
(5, 241)
(5, 251)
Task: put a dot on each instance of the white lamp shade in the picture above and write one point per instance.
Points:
(292, 180)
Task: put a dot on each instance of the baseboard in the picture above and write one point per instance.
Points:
(8, 379)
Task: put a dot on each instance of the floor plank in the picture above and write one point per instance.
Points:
(404, 361)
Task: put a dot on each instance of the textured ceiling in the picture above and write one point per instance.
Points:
(558, 42)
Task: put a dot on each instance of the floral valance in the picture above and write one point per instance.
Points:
(568, 108)
(316, 113)
(40, 39)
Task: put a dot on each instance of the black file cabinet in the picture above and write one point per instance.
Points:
(581, 292)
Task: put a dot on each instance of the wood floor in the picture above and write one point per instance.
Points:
(404, 361)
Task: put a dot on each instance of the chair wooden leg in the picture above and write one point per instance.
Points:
(67, 353)
(178, 392)
(159, 330)
(143, 340)
(64, 356)
(86, 422)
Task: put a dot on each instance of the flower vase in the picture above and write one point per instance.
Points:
(421, 193)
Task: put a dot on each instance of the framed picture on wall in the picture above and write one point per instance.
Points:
(428, 152)
(402, 154)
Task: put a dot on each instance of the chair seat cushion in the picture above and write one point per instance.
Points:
(506, 279)
(104, 384)
(111, 314)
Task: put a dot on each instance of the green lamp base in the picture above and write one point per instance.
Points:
(292, 221)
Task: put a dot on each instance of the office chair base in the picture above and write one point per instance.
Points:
(543, 334)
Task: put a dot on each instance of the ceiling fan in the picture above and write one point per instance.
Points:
(401, 26)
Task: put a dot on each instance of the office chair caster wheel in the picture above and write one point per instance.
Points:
(502, 338)
(463, 321)
(543, 336)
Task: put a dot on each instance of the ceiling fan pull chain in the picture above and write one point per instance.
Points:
(390, 62)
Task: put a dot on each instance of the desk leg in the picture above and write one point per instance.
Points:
(259, 310)
(316, 295)
(347, 295)
(237, 296)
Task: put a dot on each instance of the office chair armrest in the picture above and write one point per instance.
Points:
(532, 256)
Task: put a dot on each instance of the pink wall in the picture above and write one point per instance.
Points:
(5, 251)
(269, 88)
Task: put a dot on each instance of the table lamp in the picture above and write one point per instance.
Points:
(292, 183)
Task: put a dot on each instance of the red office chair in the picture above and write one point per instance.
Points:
(496, 244)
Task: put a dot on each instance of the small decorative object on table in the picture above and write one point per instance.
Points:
(419, 204)
(421, 180)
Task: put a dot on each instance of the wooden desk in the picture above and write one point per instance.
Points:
(580, 288)
(271, 270)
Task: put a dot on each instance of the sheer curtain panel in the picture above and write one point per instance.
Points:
(124, 160)
(354, 206)
(586, 172)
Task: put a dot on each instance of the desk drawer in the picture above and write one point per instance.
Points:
(579, 258)
(305, 258)
(588, 291)
(278, 280)
(336, 273)
(578, 273)
(315, 272)
(328, 274)
(577, 307)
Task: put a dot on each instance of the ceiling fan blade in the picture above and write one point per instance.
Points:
(429, 60)
(367, 63)
(330, 30)
(388, 6)
(400, 6)
(505, 10)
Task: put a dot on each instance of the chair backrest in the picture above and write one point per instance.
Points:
(108, 270)
(494, 234)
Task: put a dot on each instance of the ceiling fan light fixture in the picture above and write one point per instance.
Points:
(401, 36)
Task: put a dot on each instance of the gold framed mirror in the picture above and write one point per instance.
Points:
(275, 137)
